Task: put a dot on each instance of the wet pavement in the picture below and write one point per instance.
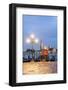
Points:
(42, 67)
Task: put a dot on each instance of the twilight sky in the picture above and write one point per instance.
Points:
(44, 28)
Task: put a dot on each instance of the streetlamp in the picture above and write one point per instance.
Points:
(31, 39)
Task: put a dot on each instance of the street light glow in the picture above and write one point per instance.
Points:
(36, 40)
(32, 36)
(31, 39)
(27, 40)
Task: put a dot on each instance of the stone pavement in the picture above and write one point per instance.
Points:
(41, 67)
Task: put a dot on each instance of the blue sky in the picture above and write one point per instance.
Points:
(44, 28)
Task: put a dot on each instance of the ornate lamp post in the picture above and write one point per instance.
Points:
(31, 39)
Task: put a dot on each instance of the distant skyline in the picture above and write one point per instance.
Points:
(44, 28)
